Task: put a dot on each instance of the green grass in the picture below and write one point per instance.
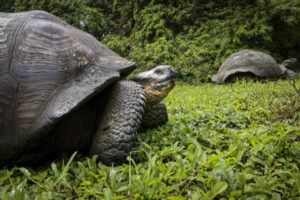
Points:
(235, 141)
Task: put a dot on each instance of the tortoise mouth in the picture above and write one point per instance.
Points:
(164, 83)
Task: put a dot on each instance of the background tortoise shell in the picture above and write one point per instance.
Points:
(249, 61)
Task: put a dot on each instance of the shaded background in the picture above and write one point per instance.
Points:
(195, 36)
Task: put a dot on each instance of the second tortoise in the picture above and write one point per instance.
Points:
(255, 64)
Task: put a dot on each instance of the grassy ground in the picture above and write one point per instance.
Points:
(237, 141)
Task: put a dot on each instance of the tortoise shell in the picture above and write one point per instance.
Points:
(249, 61)
(47, 69)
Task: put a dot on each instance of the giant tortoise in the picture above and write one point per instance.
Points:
(254, 64)
(62, 91)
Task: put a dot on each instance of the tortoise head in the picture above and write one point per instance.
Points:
(289, 63)
(157, 83)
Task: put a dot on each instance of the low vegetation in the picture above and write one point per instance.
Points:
(234, 141)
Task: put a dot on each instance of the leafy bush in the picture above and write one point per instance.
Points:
(193, 36)
(222, 142)
(80, 13)
(197, 36)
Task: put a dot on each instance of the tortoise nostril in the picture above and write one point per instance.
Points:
(173, 74)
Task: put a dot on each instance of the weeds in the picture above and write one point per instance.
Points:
(218, 144)
(288, 107)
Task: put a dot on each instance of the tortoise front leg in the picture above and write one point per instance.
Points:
(154, 116)
(121, 118)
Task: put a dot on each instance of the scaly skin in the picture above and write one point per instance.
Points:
(154, 116)
(124, 111)
(116, 134)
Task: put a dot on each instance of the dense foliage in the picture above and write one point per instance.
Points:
(193, 36)
(239, 141)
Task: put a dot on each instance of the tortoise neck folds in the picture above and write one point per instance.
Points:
(157, 83)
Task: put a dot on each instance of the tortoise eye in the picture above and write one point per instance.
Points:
(158, 71)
